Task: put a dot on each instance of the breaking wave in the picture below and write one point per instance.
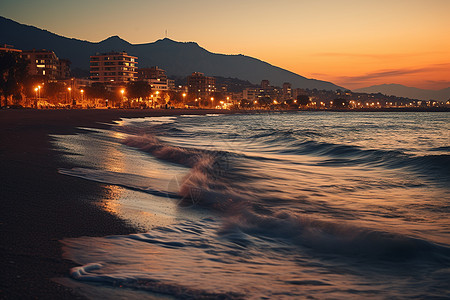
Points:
(296, 213)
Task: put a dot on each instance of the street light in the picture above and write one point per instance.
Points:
(157, 93)
(122, 91)
(70, 93)
(36, 100)
(38, 95)
(82, 92)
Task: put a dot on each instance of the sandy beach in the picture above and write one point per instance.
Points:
(39, 206)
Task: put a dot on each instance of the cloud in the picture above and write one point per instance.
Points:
(360, 55)
(383, 74)
(376, 55)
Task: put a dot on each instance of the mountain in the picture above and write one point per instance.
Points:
(177, 58)
(406, 91)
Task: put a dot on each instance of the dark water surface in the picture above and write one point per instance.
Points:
(271, 206)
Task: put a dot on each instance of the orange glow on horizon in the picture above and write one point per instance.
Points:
(350, 43)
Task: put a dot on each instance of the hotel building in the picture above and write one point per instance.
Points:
(201, 86)
(113, 67)
(287, 91)
(155, 76)
(46, 64)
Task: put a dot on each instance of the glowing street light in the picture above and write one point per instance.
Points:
(184, 97)
(38, 94)
(122, 91)
(82, 93)
(70, 93)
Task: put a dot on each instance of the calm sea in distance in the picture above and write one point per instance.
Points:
(268, 206)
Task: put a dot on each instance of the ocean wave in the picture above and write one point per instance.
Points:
(443, 148)
(354, 155)
(210, 179)
(328, 237)
(88, 273)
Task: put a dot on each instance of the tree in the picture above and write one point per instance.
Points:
(13, 72)
(138, 89)
(97, 91)
(54, 89)
(303, 100)
(246, 103)
(340, 103)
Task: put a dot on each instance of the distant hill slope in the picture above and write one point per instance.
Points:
(177, 58)
(408, 92)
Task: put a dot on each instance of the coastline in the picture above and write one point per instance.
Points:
(39, 206)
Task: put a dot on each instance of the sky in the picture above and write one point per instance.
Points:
(352, 43)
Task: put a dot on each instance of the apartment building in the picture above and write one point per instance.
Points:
(155, 76)
(201, 86)
(45, 64)
(113, 67)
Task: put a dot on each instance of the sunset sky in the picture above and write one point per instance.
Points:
(352, 43)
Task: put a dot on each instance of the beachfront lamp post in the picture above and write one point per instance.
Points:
(157, 94)
(82, 93)
(184, 98)
(37, 97)
(122, 91)
(212, 101)
(70, 93)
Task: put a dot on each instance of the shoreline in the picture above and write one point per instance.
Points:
(39, 206)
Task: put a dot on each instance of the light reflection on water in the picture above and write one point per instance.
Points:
(286, 205)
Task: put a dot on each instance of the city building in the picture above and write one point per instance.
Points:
(113, 67)
(64, 68)
(171, 84)
(201, 86)
(45, 64)
(9, 48)
(265, 84)
(287, 91)
(297, 92)
(155, 76)
(42, 63)
(151, 73)
(250, 94)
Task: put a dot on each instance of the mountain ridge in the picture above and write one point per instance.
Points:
(400, 90)
(177, 58)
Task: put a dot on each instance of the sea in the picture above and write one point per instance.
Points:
(274, 205)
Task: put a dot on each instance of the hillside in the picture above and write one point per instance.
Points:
(177, 58)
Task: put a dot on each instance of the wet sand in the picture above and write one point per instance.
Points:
(39, 206)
